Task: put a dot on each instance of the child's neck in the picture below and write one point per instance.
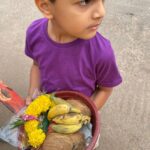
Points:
(58, 35)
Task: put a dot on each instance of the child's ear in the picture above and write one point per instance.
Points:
(45, 7)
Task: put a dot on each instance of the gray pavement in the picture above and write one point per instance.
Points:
(125, 119)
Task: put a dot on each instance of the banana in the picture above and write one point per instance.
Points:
(75, 110)
(58, 100)
(72, 118)
(58, 110)
(61, 109)
(68, 119)
(66, 129)
(85, 119)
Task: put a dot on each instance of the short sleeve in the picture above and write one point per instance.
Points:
(107, 72)
(28, 50)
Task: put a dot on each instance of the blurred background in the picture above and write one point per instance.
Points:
(125, 118)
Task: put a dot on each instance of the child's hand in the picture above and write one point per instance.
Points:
(28, 100)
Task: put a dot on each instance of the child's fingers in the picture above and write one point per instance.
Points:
(28, 100)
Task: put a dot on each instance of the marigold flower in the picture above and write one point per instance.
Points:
(31, 125)
(36, 137)
(39, 105)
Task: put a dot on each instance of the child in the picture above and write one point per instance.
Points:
(67, 51)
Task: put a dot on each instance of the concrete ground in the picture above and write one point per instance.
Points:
(125, 119)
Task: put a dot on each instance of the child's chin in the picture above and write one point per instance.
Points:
(88, 36)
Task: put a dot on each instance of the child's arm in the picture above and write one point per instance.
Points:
(101, 96)
(34, 81)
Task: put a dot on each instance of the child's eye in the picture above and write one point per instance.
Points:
(84, 2)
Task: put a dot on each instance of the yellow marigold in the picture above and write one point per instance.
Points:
(44, 102)
(33, 109)
(39, 105)
(31, 125)
(36, 138)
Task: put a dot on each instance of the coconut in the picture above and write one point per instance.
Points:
(78, 141)
(57, 141)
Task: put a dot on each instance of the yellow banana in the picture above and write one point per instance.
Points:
(66, 129)
(58, 110)
(61, 109)
(58, 100)
(75, 110)
(68, 119)
(85, 119)
(72, 118)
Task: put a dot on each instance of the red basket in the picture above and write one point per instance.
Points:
(94, 118)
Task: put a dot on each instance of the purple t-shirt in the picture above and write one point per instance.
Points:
(79, 65)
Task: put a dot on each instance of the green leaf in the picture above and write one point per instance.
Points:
(17, 123)
(45, 123)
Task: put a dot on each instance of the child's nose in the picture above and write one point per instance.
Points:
(99, 10)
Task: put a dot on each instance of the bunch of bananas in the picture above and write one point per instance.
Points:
(66, 118)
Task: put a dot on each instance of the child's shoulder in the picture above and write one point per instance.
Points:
(100, 40)
(102, 45)
(36, 26)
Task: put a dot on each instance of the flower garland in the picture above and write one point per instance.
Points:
(40, 105)
(31, 122)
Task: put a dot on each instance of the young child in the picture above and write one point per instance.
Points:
(67, 51)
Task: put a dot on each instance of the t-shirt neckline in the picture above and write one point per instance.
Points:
(61, 45)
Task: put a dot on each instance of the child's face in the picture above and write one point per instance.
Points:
(78, 18)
